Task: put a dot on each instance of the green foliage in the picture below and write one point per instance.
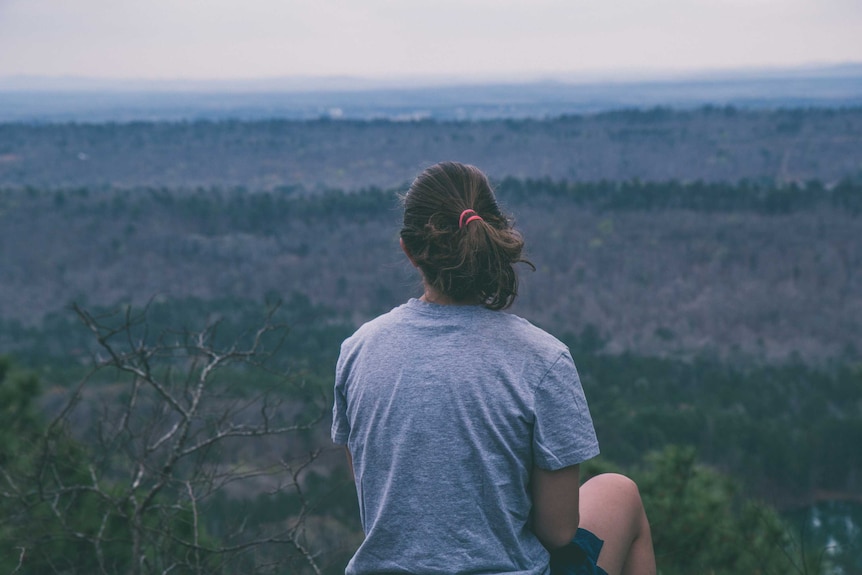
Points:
(741, 418)
(32, 453)
(19, 425)
(707, 522)
(19, 418)
(58, 516)
(701, 524)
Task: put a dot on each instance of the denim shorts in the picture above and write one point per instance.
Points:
(578, 557)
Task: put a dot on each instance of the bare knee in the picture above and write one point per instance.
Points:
(621, 487)
(615, 495)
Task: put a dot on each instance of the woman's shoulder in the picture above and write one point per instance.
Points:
(526, 333)
(381, 329)
(380, 323)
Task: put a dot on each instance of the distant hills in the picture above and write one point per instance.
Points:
(709, 144)
(669, 230)
(39, 99)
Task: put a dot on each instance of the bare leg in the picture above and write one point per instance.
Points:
(611, 507)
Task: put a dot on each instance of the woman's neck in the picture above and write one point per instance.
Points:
(433, 296)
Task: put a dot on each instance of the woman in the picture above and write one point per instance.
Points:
(464, 425)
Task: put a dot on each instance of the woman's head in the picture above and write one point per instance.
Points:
(465, 258)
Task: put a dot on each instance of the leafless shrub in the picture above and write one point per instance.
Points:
(137, 470)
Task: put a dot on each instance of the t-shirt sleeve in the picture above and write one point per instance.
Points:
(563, 433)
(340, 424)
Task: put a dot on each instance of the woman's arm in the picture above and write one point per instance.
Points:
(555, 505)
(349, 462)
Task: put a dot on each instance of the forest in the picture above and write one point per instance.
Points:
(169, 332)
(715, 144)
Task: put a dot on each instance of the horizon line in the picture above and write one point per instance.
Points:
(346, 82)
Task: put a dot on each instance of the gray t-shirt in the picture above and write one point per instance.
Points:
(445, 409)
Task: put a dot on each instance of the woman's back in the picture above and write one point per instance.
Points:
(445, 410)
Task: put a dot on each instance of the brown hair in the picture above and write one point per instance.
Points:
(473, 263)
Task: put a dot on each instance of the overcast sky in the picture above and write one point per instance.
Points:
(203, 39)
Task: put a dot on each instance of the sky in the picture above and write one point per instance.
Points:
(242, 39)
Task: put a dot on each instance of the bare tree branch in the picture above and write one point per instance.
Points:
(171, 438)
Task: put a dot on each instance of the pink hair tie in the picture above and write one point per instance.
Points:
(475, 216)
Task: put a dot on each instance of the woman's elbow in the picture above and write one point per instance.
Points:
(559, 534)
